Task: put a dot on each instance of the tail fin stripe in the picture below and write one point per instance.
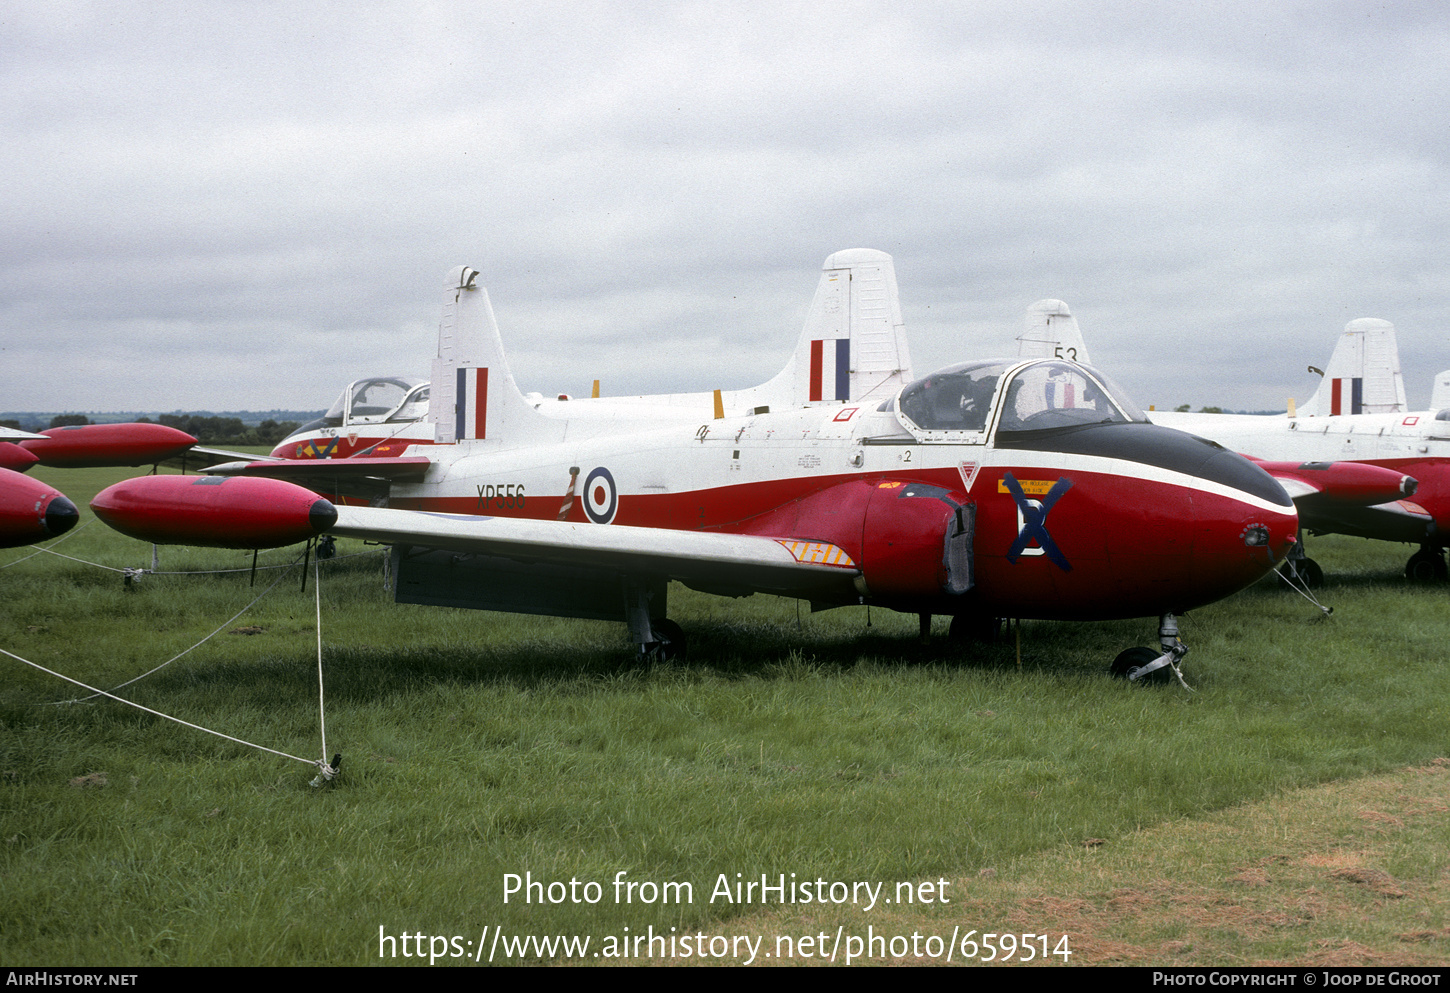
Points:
(471, 407)
(460, 405)
(843, 369)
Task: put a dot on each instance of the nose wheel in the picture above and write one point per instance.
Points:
(1147, 666)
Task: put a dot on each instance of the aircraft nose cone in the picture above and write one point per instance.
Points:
(322, 516)
(60, 516)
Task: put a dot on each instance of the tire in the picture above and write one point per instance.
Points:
(1131, 660)
(1310, 572)
(1426, 566)
(1307, 570)
(672, 642)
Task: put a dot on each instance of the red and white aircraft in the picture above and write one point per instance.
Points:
(985, 490)
(1326, 451)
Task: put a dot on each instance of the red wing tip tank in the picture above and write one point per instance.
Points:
(15, 458)
(1354, 482)
(85, 446)
(31, 511)
(214, 511)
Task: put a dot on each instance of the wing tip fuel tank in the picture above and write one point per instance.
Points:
(98, 445)
(31, 511)
(214, 511)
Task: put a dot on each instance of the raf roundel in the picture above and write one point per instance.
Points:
(601, 499)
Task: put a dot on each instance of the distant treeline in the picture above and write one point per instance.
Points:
(226, 430)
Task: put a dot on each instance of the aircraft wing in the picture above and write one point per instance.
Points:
(198, 457)
(365, 478)
(15, 434)
(704, 560)
(300, 471)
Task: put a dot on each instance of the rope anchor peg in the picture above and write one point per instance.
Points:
(327, 772)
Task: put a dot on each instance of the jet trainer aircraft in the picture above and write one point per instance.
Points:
(1358, 421)
(988, 489)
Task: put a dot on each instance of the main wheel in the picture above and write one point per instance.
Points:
(671, 643)
(1426, 566)
(975, 628)
(1307, 570)
(1133, 659)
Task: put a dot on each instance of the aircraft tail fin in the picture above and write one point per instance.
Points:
(853, 347)
(1440, 392)
(474, 396)
(1051, 332)
(1363, 375)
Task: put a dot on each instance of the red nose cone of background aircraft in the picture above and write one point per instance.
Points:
(216, 511)
(90, 445)
(31, 511)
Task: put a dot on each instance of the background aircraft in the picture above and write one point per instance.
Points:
(853, 348)
(1357, 415)
(985, 490)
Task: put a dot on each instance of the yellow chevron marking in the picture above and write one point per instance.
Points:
(817, 553)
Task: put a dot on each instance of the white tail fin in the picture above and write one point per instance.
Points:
(474, 396)
(1363, 376)
(1051, 332)
(1440, 392)
(853, 347)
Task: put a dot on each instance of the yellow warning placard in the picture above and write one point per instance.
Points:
(1030, 487)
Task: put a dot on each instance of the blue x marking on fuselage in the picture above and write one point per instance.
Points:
(1033, 521)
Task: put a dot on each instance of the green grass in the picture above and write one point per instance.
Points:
(479, 744)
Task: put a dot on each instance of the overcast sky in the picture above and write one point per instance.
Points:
(216, 206)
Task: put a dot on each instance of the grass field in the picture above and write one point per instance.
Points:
(1300, 775)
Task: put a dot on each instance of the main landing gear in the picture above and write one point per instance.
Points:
(975, 628)
(1299, 566)
(669, 643)
(1427, 565)
(1144, 665)
(659, 639)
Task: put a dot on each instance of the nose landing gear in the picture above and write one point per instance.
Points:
(1144, 665)
(1300, 566)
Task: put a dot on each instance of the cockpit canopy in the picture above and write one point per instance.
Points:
(964, 402)
(379, 400)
